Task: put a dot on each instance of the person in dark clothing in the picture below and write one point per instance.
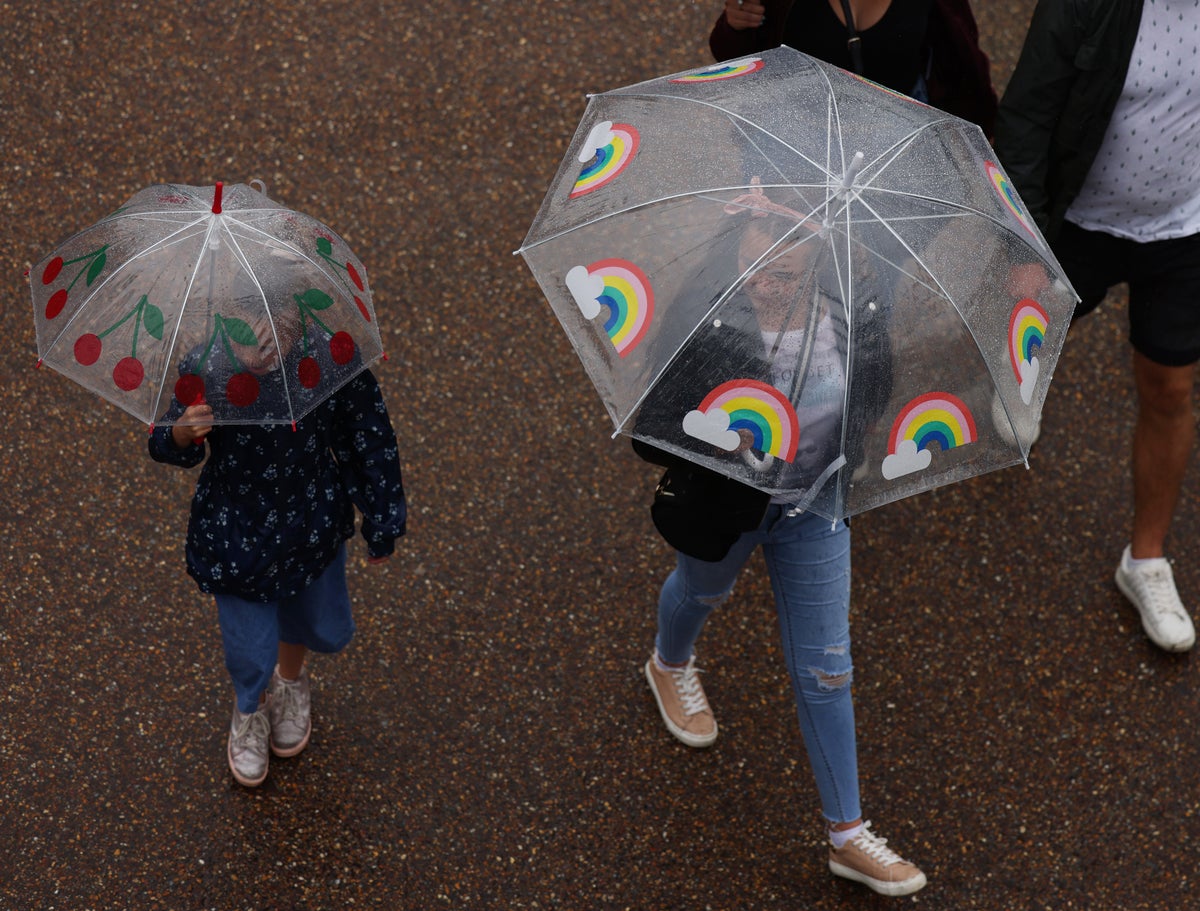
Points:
(1099, 130)
(273, 508)
(927, 49)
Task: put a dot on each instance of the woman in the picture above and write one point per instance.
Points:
(928, 49)
(781, 326)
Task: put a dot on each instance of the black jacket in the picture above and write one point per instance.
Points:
(273, 505)
(1060, 99)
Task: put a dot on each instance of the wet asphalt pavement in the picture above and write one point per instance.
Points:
(488, 741)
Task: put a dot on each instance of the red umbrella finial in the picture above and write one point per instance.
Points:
(217, 198)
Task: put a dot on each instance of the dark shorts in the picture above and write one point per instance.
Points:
(1164, 287)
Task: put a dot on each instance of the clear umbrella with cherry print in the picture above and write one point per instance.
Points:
(209, 294)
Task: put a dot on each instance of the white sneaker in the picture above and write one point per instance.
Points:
(1030, 428)
(289, 709)
(248, 752)
(1151, 588)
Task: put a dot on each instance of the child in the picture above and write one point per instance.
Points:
(273, 508)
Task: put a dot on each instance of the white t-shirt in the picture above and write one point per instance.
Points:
(819, 411)
(1145, 181)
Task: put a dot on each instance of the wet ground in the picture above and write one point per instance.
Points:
(488, 742)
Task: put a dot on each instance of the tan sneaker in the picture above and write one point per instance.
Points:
(866, 859)
(682, 703)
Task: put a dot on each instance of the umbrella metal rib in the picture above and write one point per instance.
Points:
(175, 237)
(922, 335)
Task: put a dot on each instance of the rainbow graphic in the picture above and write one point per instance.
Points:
(936, 417)
(606, 152)
(883, 88)
(746, 405)
(730, 70)
(1009, 196)
(622, 288)
(1026, 331)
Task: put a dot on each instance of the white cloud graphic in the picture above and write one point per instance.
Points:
(586, 289)
(600, 136)
(907, 459)
(1029, 377)
(712, 427)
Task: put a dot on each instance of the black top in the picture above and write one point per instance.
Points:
(892, 48)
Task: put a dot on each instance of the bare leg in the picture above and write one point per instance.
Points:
(1163, 439)
(291, 660)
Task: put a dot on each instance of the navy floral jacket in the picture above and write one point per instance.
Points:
(273, 504)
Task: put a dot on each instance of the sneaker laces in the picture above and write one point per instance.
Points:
(687, 682)
(252, 725)
(875, 847)
(1158, 590)
(287, 697)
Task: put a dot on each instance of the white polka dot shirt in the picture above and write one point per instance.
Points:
(1145, 181)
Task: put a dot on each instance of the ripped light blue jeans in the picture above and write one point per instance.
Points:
(808, 560)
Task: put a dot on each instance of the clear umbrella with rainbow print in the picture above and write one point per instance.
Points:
(790, 275)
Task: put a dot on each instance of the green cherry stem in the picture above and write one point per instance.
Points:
(304, 333)
(209, 347)
(339, 268)
(121, 322)
(307, 313)
(140, 310)
(225, 341)
(90, 257)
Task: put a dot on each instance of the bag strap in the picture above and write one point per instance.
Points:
(853, 42)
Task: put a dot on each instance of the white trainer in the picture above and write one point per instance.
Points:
(1151, 588)
(1030, 428)
(289, 709)
(248, 753)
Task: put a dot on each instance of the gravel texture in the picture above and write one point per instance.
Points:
(488, 741)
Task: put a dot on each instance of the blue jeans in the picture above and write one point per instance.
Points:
(318, 618)
(808, 560)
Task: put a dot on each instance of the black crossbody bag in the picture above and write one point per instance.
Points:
(853, 41)
(701, 513)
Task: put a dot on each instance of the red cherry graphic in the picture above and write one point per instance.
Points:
(354, 277)
(50, 273)
(341, 348)
(87, 349)
(362, 308)
(242, 389)
(55, 305)
(309, 372)
(189, 390)
(129, 373)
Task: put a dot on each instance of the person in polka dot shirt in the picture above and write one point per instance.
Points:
(1099, 130)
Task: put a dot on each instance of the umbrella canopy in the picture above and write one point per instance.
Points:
(208, 294)
(799, 279)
